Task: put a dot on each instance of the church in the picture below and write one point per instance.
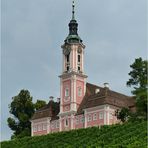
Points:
(81, 104)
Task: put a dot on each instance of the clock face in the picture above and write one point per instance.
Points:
(66, 51)
(79, 50)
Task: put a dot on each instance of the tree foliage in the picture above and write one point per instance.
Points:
(22, 109)
(138, 80)
(39, 104)
(123, 114)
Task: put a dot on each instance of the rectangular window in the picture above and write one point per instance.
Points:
(94, 116)
(77, 120)
(57, 124)
(110, 116)
(79, 91)
(82, 119)
(89, 118)
(101, 115)
(66, 92)
(44, 126)
(79, 57)
(52, 125)
(39, 127)
(35, 128)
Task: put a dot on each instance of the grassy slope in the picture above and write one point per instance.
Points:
(129, 135)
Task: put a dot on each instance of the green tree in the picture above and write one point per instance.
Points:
(22, 110)
(138, 81)
(123, 114)
(39, 104)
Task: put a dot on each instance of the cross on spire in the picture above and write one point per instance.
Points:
(73, 10)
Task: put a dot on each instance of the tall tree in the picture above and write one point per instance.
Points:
(39, 104)
(138, 81)
(22, 109)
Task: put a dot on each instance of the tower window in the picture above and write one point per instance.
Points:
(67, 57)
(66, 92)
(79, 91)
(67, 68)
(78, 68)
(79, 57)
(66, 122)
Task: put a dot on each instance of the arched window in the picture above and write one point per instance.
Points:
(66, 122)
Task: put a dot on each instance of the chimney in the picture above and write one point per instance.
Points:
(106, 85)
(58, 100)
(97, 90)
(51, 98)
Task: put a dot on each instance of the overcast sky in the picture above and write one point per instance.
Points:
(114, 32)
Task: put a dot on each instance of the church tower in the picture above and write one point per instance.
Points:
(73, 79)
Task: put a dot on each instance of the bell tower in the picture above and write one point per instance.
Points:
(73, 79)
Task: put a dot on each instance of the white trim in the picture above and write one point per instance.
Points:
(60, 124)
(48, 125)
(61, 95)
(32, 125)
(72, 121)
(76, 59)
(74, 100)
(82, 60)
(73, 59)
(107, 108)
(71, 105)
(85, 120)
(104, 117)
(64, 63)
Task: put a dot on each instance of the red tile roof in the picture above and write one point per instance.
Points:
(104, 96)
(50, 110)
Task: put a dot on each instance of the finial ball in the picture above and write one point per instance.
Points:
(73, 3)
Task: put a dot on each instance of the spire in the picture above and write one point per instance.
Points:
(73, 28)
(73, 10)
